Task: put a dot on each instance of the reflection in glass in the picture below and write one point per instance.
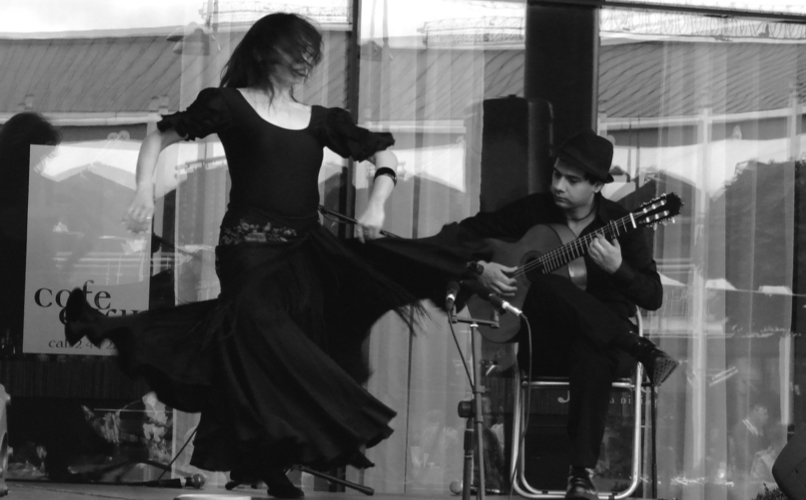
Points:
(710, 108)
(427, 68)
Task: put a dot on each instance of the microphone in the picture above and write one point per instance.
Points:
(450, 295)
(486, 294)
(500, 303)
(163, 483)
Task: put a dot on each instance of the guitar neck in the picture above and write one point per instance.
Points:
(561, 256)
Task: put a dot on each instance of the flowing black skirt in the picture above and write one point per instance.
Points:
(275, 363)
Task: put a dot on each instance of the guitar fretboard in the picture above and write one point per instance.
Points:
(650, 213)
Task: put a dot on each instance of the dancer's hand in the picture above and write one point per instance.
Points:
(370, 223)
(497, 278)
(140, 212)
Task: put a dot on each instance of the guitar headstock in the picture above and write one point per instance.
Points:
(657, 210)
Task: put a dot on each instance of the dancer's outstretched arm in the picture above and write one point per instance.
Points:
(141, 208)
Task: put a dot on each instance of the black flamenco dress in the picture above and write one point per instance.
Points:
(273, 364)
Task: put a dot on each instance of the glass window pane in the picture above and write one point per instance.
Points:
(102, 74)
(429, 69)
(767, 6)
(711, 108)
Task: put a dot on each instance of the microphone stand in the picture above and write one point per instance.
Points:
(335, 480)
(327, 477)
(472, 411)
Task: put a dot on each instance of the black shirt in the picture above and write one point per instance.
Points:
(273, 169)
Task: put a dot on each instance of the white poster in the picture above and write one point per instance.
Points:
(78, 194)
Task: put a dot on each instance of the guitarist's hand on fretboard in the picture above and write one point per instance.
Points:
(605, 254)
(497, 278)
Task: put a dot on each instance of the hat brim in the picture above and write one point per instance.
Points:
(573, 161)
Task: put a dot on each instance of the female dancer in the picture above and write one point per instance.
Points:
(274, 363)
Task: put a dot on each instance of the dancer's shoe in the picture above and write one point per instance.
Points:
(243, 476)
(280, 486)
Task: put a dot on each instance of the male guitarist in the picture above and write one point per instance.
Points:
(576, 332)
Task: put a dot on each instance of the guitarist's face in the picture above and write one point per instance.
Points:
(571, 189)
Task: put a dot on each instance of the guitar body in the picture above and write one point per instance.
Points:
(554, 248)
(537, 241)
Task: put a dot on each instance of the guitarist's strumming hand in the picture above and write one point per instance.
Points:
(605, 254)
(497, 278)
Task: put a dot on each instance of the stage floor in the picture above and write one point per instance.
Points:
(54, 491)
(19, 490)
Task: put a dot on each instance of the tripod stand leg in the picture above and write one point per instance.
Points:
(347, 484)
(475, 418)
(467, 470)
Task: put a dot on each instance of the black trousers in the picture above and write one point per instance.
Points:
(576, 335)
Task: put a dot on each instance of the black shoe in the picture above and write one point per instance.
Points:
(242, 476)
(78, 315)
(280, 486)
(580, 485)
(658, 364)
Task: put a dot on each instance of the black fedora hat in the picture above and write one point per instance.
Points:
(590, 152)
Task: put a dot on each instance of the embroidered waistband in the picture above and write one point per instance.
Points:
(250, 232)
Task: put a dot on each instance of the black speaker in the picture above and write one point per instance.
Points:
(504, 152)
(789, 469)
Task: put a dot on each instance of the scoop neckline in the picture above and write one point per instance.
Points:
(246, 101)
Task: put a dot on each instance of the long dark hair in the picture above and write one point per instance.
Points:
(258, 55)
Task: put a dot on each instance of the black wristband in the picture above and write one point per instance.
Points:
(386, 171)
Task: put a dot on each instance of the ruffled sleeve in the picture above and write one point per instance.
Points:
(208, 114)
(344, 137)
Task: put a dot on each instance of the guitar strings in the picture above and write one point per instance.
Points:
(566, 253)
(574, 249)
(579, 246)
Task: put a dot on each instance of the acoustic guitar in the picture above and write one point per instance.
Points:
(553, 248)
